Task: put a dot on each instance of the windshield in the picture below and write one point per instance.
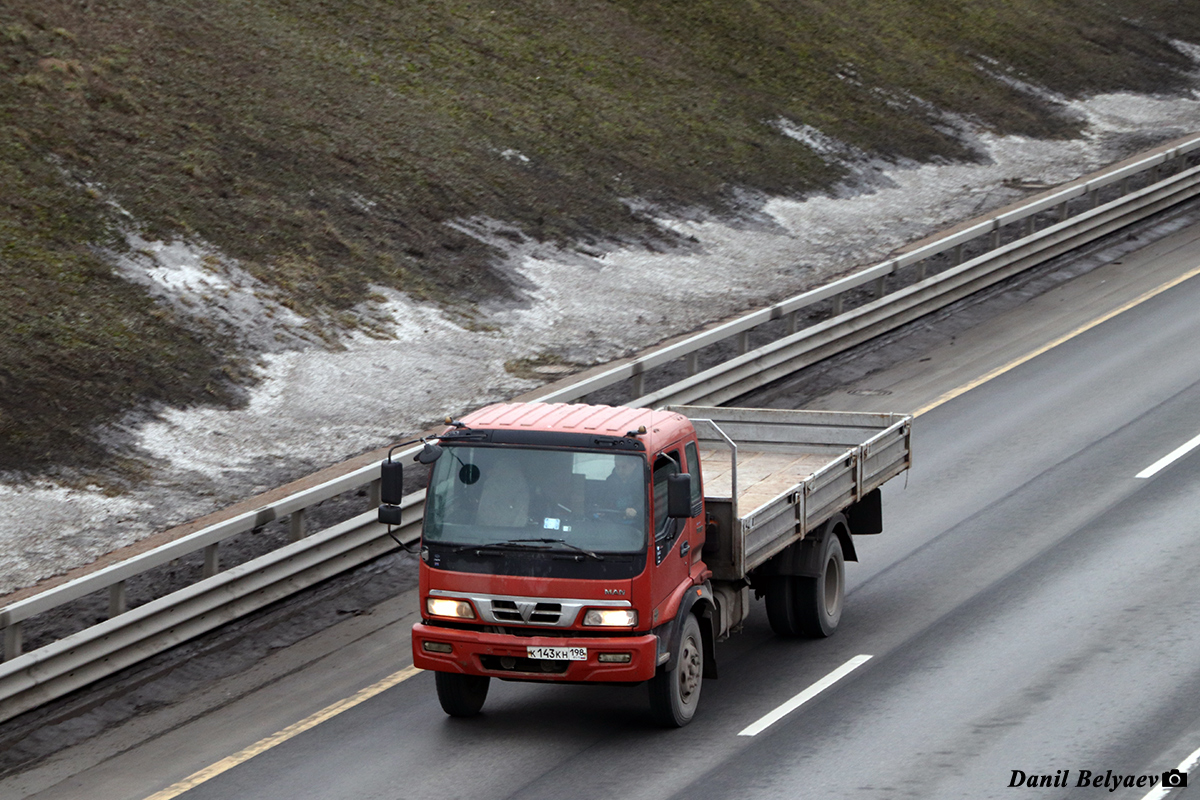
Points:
(484, 495)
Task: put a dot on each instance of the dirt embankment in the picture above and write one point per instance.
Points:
(324, 147)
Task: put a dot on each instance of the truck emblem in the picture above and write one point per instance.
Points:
(614, 591)
(525, 610)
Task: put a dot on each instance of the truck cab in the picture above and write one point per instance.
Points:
(548, 552)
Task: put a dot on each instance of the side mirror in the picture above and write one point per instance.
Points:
(391, 477)
(679, 496)
(390, 515)
(391, 491)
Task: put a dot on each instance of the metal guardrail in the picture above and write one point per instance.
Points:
(128, 636)
(71, 663)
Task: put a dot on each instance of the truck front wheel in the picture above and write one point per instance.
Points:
(810, 607)
(675, 693)
(461, 695)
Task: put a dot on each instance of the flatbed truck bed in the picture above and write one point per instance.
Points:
(772, 476)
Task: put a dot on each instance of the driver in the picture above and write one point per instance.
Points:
(623, 488)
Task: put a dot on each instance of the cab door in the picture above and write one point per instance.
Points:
(672, 544)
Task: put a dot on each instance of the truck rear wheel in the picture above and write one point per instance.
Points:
(820, 598)
(461, 695)
(810, 607)
(675, 693)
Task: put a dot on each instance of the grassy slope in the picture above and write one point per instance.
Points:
(325, 143)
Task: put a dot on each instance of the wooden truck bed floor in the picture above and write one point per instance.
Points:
(762, 476)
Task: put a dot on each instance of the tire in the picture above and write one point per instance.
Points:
(810, 607)
(461, 695)
(675, 693)
(782, 605)
(820, 599)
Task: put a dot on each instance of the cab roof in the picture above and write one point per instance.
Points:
(662, 427)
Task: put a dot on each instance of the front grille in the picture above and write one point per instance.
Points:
(540, 614)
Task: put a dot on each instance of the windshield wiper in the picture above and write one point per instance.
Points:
(528, 544)
(565, 543)
(507, 544)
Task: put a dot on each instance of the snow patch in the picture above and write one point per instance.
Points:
(514, 155)
(1123, 112)
(213, 291)
(816, 141)
(46, 529)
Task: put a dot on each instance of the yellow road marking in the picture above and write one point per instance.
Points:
(1016, 362)
(263, 745)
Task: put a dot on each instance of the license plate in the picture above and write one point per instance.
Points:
(558, 653)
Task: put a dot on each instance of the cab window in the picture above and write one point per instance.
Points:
(664, 529)
(693, 468)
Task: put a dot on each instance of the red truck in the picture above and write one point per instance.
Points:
(599, 544)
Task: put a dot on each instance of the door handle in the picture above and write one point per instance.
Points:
(685, 548)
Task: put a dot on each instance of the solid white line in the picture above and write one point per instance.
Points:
(1159, 792)
(802, 698)
(1169, 458)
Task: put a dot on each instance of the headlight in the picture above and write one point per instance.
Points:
(611, 617)
(448, 607)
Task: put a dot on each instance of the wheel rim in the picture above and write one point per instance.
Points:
(690, 670)
(833, 588)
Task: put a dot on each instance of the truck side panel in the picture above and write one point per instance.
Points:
(774, 475)
(885, 456)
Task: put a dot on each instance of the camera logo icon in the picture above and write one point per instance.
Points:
(1174, 779)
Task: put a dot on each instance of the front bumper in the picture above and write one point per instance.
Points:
(477, 653)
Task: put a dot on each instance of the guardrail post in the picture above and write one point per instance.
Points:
(743, 342)
(1031, 225)
(1094, 194)
(296, 524)
(117, 604)
(375, 493)
(958, 254)
(994, 239)
(837, 304)
(793, 322)
(881, 286)
(212, 559)
(639, 384)
(1062, 211)
(693, 363)
(1125, 185)
(12, 641)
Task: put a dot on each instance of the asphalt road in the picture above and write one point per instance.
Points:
(1033, 606)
